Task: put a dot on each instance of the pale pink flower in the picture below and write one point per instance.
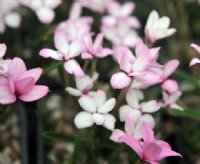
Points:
(138, 67)
(150, 150)
(8, 14)
(44, 9)
(4, 64)
(20, 83)
(84, 85)
(170, 99)
(94, 49)
(96, 110)
(195, 60)
(66, 52)
(139, 110)
(157, 28)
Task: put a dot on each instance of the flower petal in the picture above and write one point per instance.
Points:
(6, 96)
(24, 86)
(61, 43)
(3, 48)
(109, 121)
(150, 106)
(74, 92)
(87, 103)
(148, 134)
(120, 80)
(107, 106)
(170, 67)
(13, 19)
(45, 15)
(83, 120)
(49, 53)
(133, 97)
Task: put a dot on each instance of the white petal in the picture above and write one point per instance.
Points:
(194, 61)
(100, 98)
(45, 15)
(109, 121)
(61, 43)
(176, 106)
(150, 106)
(98, 118)
(87, 103)
(107, 106)
(83, 120)
(133, 97)
(74, 92)
(75, 49)
(72, 67)
(13, 19)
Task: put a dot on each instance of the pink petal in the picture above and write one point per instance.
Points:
(129, 125)
(148, 134)
(16, 68)
(194, 61)
(49, 53)
(133, 143)
(36, 93)
(6, 96)
(87, 41)
(170, 67)
(170, 86)
(116, 134)
(120, 80)
(61, 43)
(24, 86)
(127, 9)
(2, 50)
(72, 67)
(196, 47)
(105, 52)
(97, 46)
(86, 55)
(45, 15)
(151, 152)
(174, 97)
(141, 63)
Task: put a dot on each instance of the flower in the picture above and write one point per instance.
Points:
(4, 64)
(20, 83)
(138, 67)
(43, 8)
(8, 15)
(96, 110)
(83, 84)
(150, 150)
(66, 52)
(157, 28)
(140, 111)
(195, 60)
(94, 49)
(169, 100)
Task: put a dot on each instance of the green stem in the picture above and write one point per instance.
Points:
(86, 63)
(94, 65)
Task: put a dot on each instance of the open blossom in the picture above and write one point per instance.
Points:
(119, 26)
(44, 9)
(94, 49)
(4, 64)
(95, 5)
(170, 99)
(150, 150)
(66, 52)
(96, 110)
(195, 60)
(139, 110)
(83, 84)
(20, 83)
(8, 15)
(138, 67)
(157, 28)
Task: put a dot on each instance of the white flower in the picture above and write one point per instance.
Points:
(83, 84)
(139, 111)
(8, 16)
(157, 28)
(96, 111)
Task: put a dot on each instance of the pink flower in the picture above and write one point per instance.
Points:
(66, 52)
(8, 15)
(138, 67)
(20, 83)
(96, 110)
(169, 100)
(95, 49)
(43, 8)
(83, 84)
(195, 60)
(150, 150)
(157, 28)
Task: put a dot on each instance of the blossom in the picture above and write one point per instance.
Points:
(96, 110)
(150, 150)
(44, 8)
(195, 60)
(157, 28)
(66, 52)
(8, 15)
(20, 83)
(83, 84)
(136, 67)
(140, 111)
(94, 49)
(4, 64)
(170, 99)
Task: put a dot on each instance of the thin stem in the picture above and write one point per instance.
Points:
(86, 63)
(94, 65)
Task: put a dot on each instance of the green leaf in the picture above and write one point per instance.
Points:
(51, 68)
(185, 113)
(58, 136)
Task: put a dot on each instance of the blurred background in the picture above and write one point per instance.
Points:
(43, 132)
